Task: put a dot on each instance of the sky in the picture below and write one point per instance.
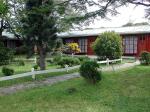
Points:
(127, 14)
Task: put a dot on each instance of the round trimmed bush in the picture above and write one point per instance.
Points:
(145, 58)
(89, 71)
(108, 45)
(7, 71)
(36, 67)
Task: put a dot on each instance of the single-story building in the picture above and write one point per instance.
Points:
(10, 41)
(135, 39)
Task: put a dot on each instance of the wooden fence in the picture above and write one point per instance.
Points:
(107, 61)
(34, 73)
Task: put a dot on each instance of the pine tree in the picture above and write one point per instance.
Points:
(39, 27)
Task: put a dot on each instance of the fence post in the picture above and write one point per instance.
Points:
(66, 67)
(107, 61)
(121, 59)
(33, 75)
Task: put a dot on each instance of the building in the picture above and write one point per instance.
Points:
(135, 39)
(10, 41)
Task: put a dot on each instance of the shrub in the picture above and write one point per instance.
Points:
(68, 61)
(6, 54)
(89, 70)
(7, 71)
(21, 63)
(36, 67)
(145, 58)
(83, 58)
(108, 45)
(57, 59)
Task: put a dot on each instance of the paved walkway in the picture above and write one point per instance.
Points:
(53, 80)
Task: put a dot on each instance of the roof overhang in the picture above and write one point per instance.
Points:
(95, 32)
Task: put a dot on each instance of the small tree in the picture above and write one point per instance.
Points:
(108, 45)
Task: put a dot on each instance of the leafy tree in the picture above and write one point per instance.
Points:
(108, 45)
(3, 13)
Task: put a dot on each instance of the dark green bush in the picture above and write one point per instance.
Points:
(21, 63)
(89, 70)
(6, 55)
(70, 61)
(83, 58)
(7, 71)
(36, 67)
(145, 58)
(108, 45)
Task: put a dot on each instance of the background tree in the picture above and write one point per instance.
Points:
(108, 45)
(3, 13)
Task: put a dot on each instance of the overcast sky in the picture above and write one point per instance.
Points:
(127, 14)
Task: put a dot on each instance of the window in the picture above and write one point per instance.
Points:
(83, 45)
(68, 40)
(130, 45)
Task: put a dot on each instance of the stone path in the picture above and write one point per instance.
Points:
(53, 80)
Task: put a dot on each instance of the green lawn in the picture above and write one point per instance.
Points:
(27, 68)
(124, 91)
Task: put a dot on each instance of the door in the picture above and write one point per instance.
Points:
(143, 44)
(90, 42)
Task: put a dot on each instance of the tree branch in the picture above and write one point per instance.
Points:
(139, 3)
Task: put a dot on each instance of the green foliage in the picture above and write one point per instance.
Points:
(145, 58)
(7, 71)
(70, 61)
(108, 45)
(89, 71)
(3, 8)
(50, 61)
(83, 58)
(56, 59)
(36, 67)
(6, 55)
(21, 63)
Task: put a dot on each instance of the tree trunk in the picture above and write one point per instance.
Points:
(42, 58)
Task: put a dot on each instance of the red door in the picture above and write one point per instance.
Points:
(89, 48)
(142, 44)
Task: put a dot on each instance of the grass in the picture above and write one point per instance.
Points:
(39, 77)
(123, 91)
(27, 68)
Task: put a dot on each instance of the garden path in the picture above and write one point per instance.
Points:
(53, 80)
